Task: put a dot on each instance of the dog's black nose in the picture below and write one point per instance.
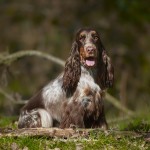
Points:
(90, 49)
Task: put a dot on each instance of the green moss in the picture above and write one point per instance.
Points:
(102, 142)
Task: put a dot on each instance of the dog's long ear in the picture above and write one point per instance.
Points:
(72, 71)
(106, 69)
(109, 73)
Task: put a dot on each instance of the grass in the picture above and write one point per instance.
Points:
(116, 139)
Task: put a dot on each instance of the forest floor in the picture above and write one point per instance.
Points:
(130, 133)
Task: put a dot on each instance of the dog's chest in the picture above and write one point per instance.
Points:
(87, 80)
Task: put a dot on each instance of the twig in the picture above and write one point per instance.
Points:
(12, 57)
(117, 104)
(114, 120)
(11, 98)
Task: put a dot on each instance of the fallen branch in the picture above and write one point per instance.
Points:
(13, 57)
(62, 133)
(39, 132)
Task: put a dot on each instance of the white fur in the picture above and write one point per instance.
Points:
(53, 97)
(86, 80)
(53, 93)
(46, 119)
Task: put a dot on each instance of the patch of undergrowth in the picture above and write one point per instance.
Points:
(114, 141)
(33, 143)
(137, 124)
(102, 141)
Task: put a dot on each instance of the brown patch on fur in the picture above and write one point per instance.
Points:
(71, 116)
(35, 102)
(88, 92)
(82, 54)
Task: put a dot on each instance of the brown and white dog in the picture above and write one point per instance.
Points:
(87, 66)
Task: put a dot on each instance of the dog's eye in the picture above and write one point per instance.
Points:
(95, 37)
(82, 37)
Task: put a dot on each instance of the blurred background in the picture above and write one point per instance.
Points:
(49, 26)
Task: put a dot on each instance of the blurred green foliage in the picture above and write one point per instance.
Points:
(49, 26)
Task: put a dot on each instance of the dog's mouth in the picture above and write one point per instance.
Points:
(90, 61)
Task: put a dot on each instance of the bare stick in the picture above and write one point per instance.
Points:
(61, 133)
(9, 97)
(12, 57)
(117, 104)
(47, 132)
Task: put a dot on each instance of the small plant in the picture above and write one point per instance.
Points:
(137, 125)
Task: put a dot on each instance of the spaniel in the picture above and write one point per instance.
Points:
(87, 66)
